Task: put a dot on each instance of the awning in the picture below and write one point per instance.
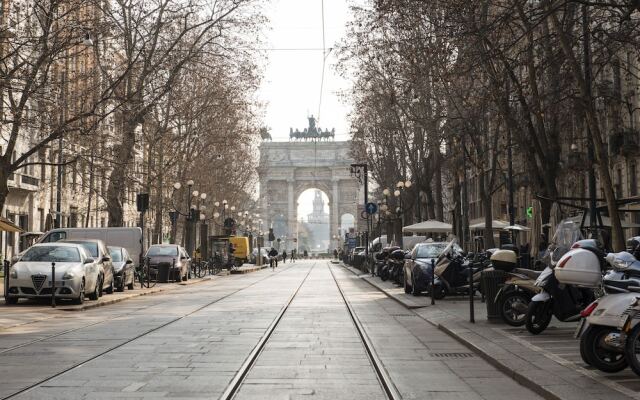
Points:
(430, 225)
(8, 226)
(26, 234)
(606, 221)
(496, 224)
(516, 227)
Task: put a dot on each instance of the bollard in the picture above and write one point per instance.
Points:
(471, 290)
(53, 284)
(433, 282)
(6, 266)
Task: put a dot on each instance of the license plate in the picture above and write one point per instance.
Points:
(579, 329)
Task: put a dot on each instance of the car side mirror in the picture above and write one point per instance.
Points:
(408, 256)
(15, 259)
(129, 261)
(106, 259)
(88, 261)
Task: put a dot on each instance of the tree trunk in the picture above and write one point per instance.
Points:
(4, 177)
(437, 176)
(485, 197)
(617, 235)
(123, 155)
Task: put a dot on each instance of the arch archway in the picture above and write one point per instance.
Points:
(287, 169)
(313, 215)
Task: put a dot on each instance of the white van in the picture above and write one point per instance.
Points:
(129, 238)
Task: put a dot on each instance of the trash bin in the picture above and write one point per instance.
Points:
(491, 281)
(163, 272)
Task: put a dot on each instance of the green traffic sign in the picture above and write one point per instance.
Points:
(529, 212)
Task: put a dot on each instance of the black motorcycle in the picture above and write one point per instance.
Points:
(452, 275)
(382, 262)
(396, 266)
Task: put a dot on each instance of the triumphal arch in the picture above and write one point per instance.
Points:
(289, 168)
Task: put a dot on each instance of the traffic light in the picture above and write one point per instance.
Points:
(272, 237)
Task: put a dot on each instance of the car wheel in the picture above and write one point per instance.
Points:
(96, 291)
(598, 353)
(11, 300)
(130, 285)
(80, 298)
(109, 290)
(121, 285)
(407, 288)
(414, 288)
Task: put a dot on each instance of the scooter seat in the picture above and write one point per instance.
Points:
(623, 284)
(623, 261)
(527, 272)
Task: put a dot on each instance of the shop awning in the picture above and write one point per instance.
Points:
(496, 224)
(430, 225)
(8, 226)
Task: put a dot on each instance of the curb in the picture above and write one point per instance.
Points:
(134, 295)
(247, 270)
(518, 377)
(365, 275)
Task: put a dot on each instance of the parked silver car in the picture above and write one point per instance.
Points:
(98, 251)
(76, 273)
(123, 268)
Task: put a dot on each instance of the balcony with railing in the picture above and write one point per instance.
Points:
(23, 182)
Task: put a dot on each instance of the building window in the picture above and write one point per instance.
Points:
(619, 183)
(633, 180)
(42, 218)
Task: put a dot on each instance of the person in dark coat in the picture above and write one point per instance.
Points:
(284, 256)
(273, 258)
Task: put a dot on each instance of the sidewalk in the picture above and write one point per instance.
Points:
(548, 363)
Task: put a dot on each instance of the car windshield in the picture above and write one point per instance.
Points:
(430, 250)
(92, 247)
(162, 251)
(52, 254)
(115, 253)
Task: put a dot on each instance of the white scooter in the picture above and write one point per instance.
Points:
(602, 339)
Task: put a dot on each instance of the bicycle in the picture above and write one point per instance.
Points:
(143, 275)
(199, 269)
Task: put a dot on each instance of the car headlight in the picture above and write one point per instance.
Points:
(68, 275)
(14, 273)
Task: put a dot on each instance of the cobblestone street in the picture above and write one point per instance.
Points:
(192, 342)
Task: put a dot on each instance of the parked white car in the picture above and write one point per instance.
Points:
(76, 273)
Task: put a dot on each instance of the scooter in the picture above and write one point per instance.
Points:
(395, 264)
(452, 275)
(607, 320)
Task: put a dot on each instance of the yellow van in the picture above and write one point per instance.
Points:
(241, 245)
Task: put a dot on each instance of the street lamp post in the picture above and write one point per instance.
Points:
(191, 214)
(401, 186)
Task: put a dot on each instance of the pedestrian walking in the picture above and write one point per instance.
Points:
(284, 256)
(335, 253)
(293, 255)
(273, 258)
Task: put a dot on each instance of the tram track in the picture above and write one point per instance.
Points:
(127, 341)
(386, 384)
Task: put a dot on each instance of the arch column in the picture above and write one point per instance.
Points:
(291, 209)
(335, 214)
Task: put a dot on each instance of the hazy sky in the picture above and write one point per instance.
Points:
(291, 86)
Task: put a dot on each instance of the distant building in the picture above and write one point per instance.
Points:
(318, 216)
